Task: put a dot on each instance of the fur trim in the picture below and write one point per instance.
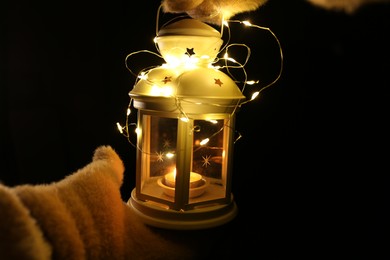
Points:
(20, 235)
(348, 6)
(84, 217)
(211, 11)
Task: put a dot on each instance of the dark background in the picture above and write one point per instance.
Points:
(309, 170)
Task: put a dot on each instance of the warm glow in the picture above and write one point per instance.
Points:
(226, 57)
(252, 82)
(212, 121)
(178, 62)
(254, 95)
(247, 23)
(204, 141)
(169, 156)
(184, 119)
(195, 84)
(165, 91)
(143, 76)
(184, 62)
(170, 179)
(172, 61)
(119, 128)
(216, 67)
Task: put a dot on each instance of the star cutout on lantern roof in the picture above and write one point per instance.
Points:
(167, 79)
(190, 52)
(160, 156)
(218, 82)
(206, 160)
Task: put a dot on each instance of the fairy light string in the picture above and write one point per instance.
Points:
(228, 63)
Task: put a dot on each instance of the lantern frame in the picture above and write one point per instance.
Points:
(183, 212)
(183, 98)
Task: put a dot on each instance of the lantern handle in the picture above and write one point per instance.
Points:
(157, 18)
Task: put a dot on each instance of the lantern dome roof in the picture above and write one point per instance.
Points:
(201, 82)
(197, 86)
(189, 39)
(189, 47)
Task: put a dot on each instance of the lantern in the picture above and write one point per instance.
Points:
(185, 132)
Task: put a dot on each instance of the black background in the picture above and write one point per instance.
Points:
(310, 167)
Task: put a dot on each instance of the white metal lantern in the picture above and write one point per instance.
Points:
(185, 132)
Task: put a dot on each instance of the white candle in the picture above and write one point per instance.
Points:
(195, 179)
(170, 179)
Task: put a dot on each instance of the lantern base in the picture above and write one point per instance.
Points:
(198, 218)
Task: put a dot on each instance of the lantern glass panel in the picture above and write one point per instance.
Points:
(176, 166)
(158, 153)
(209, 159)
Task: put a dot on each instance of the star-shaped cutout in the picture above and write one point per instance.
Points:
(218, 82)
(206, 160)
(166, 143)
(160, 156)
(167, 79)
(190, 52)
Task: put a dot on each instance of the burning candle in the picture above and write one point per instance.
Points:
(195, 179)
